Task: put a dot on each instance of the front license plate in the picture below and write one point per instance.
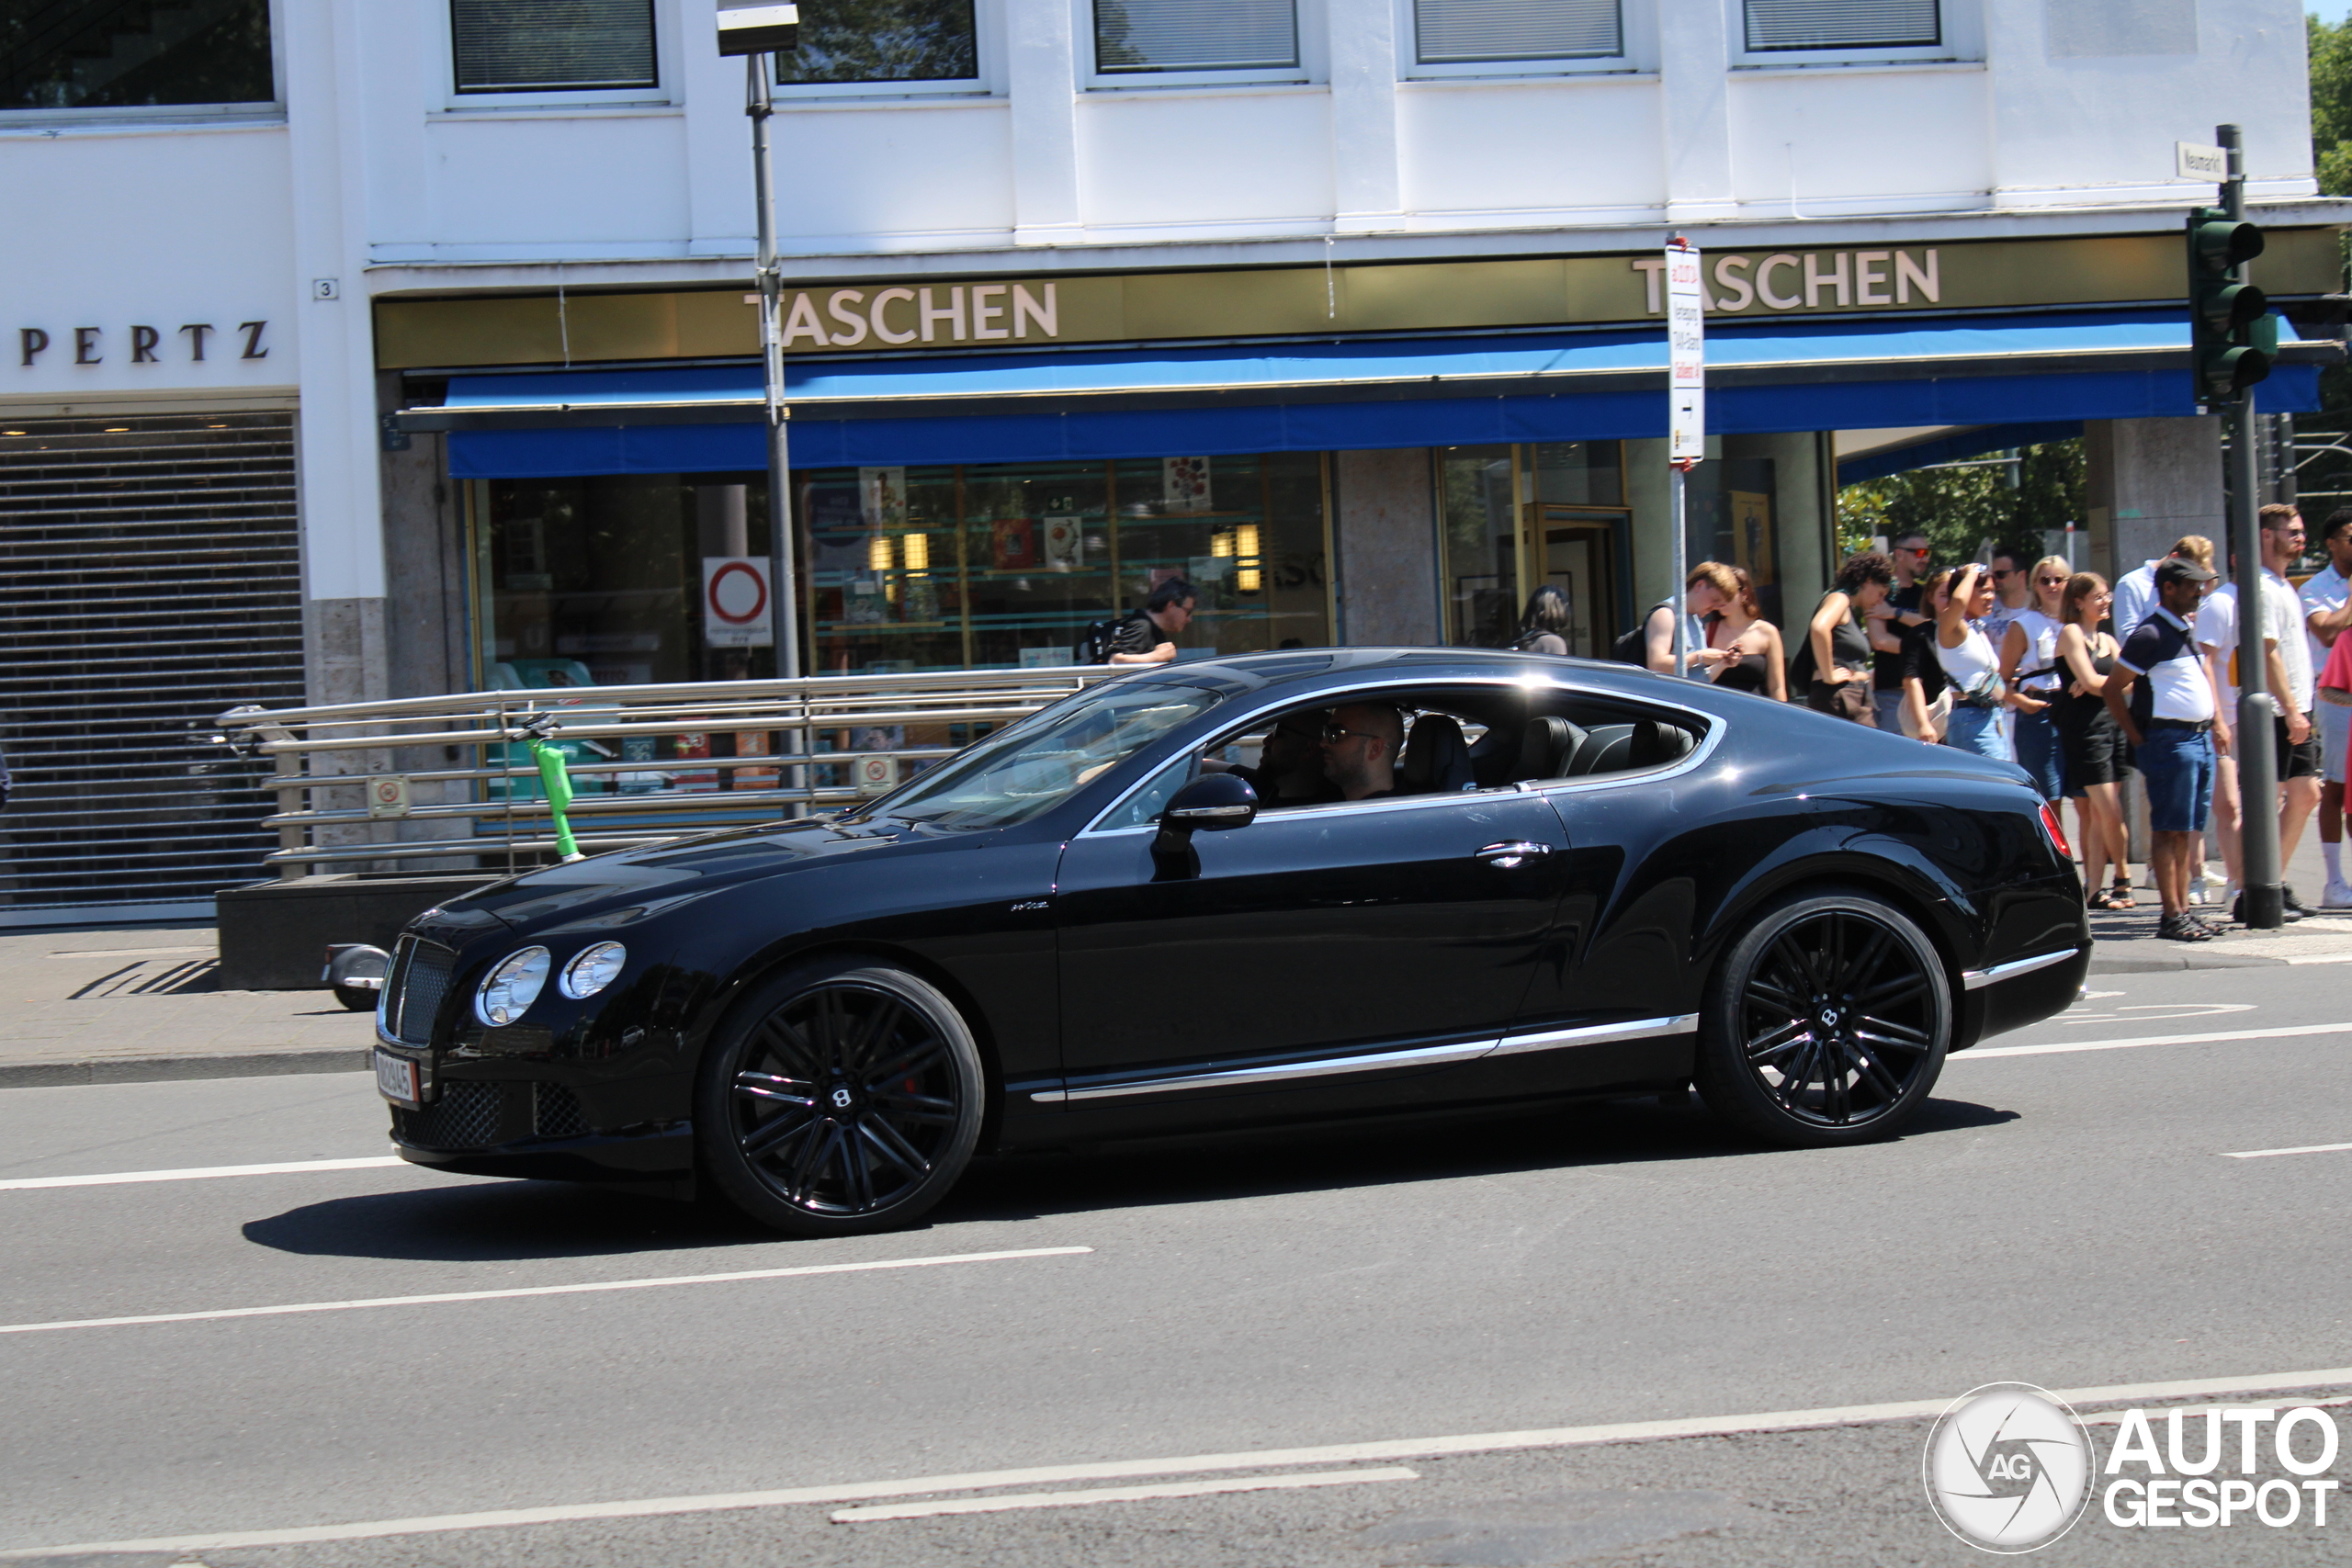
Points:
(396, 1077)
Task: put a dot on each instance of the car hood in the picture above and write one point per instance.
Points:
(620, 889)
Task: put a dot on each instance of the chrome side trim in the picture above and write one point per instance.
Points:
(1423, 1057)
(1977, 979)
(1566, 1039)
(1420, 1056)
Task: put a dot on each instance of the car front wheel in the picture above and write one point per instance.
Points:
(1827, 1022)
(844, 1096)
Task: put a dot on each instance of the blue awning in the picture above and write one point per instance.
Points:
(1337, 396)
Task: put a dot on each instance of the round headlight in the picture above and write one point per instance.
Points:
(593, 970)
(511, 986)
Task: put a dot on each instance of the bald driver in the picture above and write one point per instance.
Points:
(1360, 747)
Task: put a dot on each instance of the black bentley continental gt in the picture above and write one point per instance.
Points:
(1588, 881)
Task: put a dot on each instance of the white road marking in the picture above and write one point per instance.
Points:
(130, 952)
(2155, 1013)
(445, 1296)
(200, 1173)
(2318, 958)
(1005, 1503)
(2306, 1149)
(1263, 1458)
(2292, 1032)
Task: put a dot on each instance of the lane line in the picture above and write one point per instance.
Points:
(442, 1297)
(2219, 1037)
(2306, 1149)
(1194, 1464)
(200, 1173)
(1006, 1502)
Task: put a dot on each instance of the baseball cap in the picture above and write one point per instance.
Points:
(2179, 569)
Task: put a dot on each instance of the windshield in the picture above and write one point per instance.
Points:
(1041, 762)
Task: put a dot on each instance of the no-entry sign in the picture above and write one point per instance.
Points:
(736, 611)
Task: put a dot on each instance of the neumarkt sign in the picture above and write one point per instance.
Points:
(911, 315)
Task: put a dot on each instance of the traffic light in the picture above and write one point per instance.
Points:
(2231, 334)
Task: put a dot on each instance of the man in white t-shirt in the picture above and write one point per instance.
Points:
(2288, 669)
(2135, 591)
(2327, 611)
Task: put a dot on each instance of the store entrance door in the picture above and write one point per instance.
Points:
(1578, 553)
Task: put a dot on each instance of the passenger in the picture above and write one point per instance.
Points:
(1360, 747)
(1290, 764)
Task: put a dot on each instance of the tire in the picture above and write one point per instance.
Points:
(1827, 1023)
(844, 1096)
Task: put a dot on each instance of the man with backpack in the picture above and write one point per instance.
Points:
(1147, 636)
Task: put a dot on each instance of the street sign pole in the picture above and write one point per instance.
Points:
(2257, 762)
(1686, 352)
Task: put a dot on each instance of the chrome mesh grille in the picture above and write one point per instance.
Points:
(467, 1116)
(555, 1111)
(420, 983)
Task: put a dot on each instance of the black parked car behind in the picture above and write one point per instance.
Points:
(1591, 881)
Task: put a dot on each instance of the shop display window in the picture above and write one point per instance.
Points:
(1515, 518)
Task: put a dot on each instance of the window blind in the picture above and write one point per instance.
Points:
(1460, 32)
(1195, 35)
(1842, 24)
(537, 46)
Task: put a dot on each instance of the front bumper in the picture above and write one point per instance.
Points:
(534, 1129)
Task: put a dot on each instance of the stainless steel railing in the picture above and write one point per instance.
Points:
(451, 779)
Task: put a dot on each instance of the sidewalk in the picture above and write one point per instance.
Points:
(139, 1004)
(126, 1005)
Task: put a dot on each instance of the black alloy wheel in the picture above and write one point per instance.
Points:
(1827, 1022)
(842, 1097)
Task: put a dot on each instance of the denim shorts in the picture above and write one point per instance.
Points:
(2178, 766)
(2335, 733)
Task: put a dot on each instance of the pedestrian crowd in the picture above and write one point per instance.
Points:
(2078, 681)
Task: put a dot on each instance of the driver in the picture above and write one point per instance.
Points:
(1290, 763)
(1360, 747)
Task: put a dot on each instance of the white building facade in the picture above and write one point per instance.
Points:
(364, 348)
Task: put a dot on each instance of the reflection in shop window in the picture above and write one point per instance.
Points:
(1516, 518)
(92, 54)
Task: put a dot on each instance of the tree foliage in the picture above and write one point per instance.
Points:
(2331, 86)
(1960, 508)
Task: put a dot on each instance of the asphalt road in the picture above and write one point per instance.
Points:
(1349, 1299)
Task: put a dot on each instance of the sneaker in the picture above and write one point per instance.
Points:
(2337, 895)
(2202, 889)
(2183, 927)
(2296, 907)
(2289, 911)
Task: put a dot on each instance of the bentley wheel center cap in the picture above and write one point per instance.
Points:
(842, 1098)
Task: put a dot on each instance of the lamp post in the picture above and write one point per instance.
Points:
(756, 29)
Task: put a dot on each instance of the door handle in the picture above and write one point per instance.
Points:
(1516, 852)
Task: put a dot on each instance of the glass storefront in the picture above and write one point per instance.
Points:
(602, 581)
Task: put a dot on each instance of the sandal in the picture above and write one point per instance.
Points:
(2180, 928)
(2109, 898)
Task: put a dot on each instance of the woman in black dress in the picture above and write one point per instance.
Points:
(1833, 661)
(2089, 744)
(1740, 629)
(1544, 625)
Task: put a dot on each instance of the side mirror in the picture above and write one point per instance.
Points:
(1211, 802)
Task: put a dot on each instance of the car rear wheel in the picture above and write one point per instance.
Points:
(843, 1097)
(1827, 1023)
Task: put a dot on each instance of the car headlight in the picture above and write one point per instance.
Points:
(511, 986)
(593, 970)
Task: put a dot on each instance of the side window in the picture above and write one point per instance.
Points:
(1142, 808)
(1579, 739)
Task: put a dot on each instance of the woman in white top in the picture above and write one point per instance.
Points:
(2029, 664)
(1978, 693)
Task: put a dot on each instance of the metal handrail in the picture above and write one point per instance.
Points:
(324, 749)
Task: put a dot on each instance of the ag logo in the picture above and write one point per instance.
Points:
(2008, 1468)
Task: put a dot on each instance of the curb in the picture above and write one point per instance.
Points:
(2154, 964)
(162, 1069)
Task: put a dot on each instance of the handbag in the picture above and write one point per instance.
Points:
(1850, 702)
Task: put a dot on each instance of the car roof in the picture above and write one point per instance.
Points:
(1326, 666)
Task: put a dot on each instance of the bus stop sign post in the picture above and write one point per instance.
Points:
(1686, 356)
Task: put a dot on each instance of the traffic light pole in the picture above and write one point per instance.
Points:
(2258, 763)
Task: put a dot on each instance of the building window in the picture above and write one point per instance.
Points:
(1464, 33)
(547, 46)
(884, 40)
(105, 54)
(1842, 24)
(1139, 36)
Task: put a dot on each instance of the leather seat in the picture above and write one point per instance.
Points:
(1657, 743)
(1606, 749)
(1437, 758)
(1545, 748)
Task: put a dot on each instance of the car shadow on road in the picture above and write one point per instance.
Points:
(490, 1220)
(501, 1222)
(1376, 1154)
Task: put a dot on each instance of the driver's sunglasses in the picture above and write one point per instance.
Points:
(1335, 733)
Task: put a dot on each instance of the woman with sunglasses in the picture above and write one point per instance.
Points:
(2029, 664)
(2093, 744)
(1978, 693)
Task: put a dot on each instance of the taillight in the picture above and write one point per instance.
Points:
(2057, 834)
